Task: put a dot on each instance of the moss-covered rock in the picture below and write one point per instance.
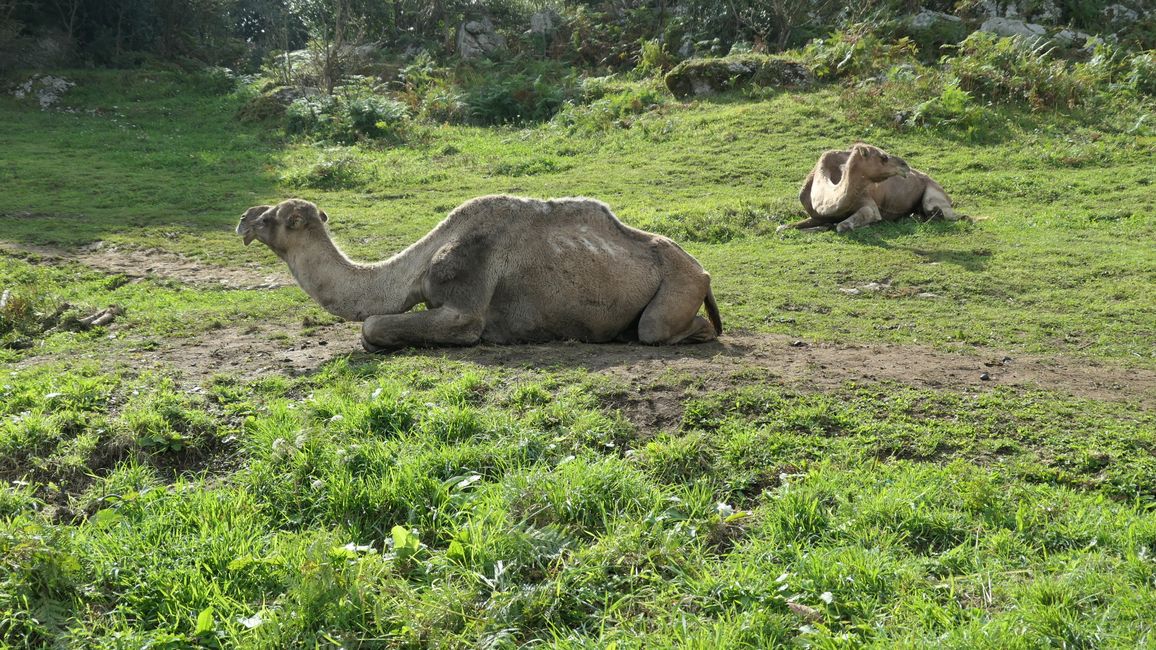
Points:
(708, 76)
(271, 104)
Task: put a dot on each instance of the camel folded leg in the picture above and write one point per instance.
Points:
(936, 204)
(440, 326)
(672, 315)
(807, 225)
(864, 216)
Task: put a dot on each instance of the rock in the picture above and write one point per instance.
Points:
(1048, 12)
(928, 19)
(478, 39)
(984, 377)
(708, 76)
(45, 89)
(1119, 15)
(1070, 38)
(933, 29)
(1013, 27)
(271, 104)
(544, 23)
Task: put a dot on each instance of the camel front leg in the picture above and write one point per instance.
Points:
(440, 326)
(864, 216)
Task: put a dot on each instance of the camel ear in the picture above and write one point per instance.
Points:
(324, 217)
(255, 211)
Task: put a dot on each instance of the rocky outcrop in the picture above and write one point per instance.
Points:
(478, 39)
(708, 76)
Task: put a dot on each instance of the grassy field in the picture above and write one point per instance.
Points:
(428, 499)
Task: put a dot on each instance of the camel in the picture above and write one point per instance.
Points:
(500, 269)
(852, 189)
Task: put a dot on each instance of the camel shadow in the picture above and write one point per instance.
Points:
(970, 258)
(563, 355)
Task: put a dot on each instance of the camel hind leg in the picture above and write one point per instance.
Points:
(672, 315)
(936, 204)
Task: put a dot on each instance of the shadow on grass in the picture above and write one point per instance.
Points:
(970, 258)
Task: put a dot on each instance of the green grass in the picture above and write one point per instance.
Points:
(411, 501)
(1061, 263)
(540, 516)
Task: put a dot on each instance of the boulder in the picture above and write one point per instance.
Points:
(478, 39)
(544, 23)
(271, 104)
(708, 76)
(933, 29)
(1013, 27)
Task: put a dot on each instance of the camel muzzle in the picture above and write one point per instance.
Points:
(246, 232)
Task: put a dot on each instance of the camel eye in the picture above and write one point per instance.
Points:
(885, 158)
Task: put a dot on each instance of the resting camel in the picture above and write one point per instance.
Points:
(500, 269)
(852, 189)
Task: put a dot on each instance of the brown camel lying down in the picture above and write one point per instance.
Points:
(851, 189)
(501, 269)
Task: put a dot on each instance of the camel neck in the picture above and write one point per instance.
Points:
(852, 179)
(353, 290)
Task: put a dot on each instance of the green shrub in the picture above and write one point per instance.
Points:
(504, 96)
(953, 107)
(336, 169)
(856, 52)
(609, 105)
(376, 117)
(1017, 70)
(654, 58)
(348, 119)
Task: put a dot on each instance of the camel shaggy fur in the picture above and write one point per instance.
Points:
(855, 188)
(500, 269)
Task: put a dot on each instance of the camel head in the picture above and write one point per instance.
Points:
(283, 226)
(876, 164)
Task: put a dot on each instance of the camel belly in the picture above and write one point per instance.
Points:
(585, 287)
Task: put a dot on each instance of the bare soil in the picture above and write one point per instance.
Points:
(156, 263)
(659, 379)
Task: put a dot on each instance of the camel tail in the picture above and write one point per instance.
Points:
(712, 312)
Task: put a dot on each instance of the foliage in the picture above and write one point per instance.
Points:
(856, 52)
(348, 118)
(496, 94)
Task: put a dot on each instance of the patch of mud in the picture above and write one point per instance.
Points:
(658, 380)
(155, 263)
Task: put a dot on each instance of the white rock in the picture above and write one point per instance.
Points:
(1012, 27)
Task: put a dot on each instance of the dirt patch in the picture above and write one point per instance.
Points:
(156, 263)
(657, 380)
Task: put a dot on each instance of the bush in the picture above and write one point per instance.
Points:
(1016, 70)
(857, 52)
(953, 107)
(348, 119)
(609, 105)
(502, 95)
(377, 117)
(334, 170)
